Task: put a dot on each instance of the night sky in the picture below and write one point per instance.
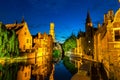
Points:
(68, 15)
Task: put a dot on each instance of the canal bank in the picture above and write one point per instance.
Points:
(61, 73)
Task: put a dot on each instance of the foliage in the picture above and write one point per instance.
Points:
(69, 43)
(56, 53)
(9, 71)
(70, 66)
(8, 42)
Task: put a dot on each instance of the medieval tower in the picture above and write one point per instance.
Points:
(89, 35)
(51, 32)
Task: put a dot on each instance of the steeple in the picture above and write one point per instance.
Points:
(88, 20)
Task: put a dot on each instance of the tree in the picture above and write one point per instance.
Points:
(56, 53)
(69, 43)
(8, 42)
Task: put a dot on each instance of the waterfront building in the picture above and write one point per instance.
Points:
(107, 44)
(23, 34)
(80, 48)
(43, 45)
(85, 40)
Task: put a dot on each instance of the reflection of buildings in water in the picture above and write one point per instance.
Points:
(38, 72)
(24, 73)
(43, 44)
(8, 71)
(52, 73)
(42, 71)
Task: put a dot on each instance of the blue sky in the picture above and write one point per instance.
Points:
(68, 15)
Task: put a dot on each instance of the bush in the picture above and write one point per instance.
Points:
(56, 53)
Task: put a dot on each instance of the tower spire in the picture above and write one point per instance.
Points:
(88, 19)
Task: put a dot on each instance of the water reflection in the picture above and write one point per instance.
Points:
(30, 69)
(61, 73)
(8, 71)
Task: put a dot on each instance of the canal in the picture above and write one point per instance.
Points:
(61, 73)
(28, 70)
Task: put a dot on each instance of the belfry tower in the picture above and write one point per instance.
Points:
(89, 35)
(51, 32)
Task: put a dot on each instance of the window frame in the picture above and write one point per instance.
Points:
(114, 39)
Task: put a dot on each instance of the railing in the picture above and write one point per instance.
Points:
(84, 57)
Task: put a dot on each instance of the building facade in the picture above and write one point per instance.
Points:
(43, 44)
(23, 34)
(80, 48)
(107, 44)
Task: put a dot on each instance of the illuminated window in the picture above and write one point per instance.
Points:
(117, 35)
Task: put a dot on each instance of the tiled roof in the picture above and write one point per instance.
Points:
(16, 27)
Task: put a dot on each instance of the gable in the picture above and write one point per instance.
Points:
(117, 16)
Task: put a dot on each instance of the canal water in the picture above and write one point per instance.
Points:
(61, 73)
(28, 70)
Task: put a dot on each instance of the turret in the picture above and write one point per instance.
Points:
(51, 32)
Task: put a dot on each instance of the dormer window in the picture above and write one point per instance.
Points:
(117, 35)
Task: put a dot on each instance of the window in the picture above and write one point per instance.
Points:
(25, 33)
(25, 74)
(117, 35)
(27, 40)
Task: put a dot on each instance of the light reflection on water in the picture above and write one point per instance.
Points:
(29, 69)
(61, 73)
(33, 69)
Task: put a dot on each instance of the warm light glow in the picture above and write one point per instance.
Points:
(52, 32)
(89, 49)
(88, 41)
